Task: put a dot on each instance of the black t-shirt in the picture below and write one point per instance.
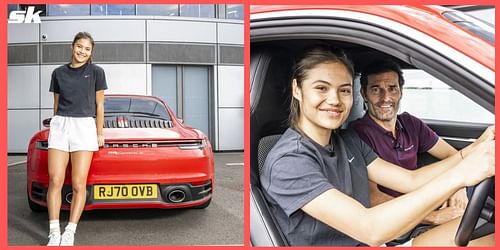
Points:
(76, 88)
(297, 170)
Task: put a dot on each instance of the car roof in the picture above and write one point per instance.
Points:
(426, 19)
(133, 96)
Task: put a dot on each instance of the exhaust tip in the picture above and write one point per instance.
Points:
(68, 197)
(176, 196)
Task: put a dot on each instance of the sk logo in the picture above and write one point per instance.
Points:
(27, 16)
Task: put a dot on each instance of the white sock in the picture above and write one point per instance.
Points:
(71, 227)
(54, 226)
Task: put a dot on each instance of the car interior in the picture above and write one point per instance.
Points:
(270, 72)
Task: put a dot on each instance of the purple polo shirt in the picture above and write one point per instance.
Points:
(412, 137)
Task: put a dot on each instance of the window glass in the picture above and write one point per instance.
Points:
(482, 29)
(158, 9)
(38, 7)
(234, 11)
(121, 9)
(68, 10)
(429, 98)
(197, 10)
(11, 7)
(487, 15)
(98, 9)
(135, 105)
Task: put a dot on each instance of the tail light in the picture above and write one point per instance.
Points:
(195, 145)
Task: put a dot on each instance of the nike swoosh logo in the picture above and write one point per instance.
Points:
(86, 76)
(350, 160)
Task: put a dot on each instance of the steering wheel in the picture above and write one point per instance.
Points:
(479, 216)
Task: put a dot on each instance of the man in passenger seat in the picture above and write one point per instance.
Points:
(399, 138)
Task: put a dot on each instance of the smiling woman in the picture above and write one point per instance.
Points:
(75, 134)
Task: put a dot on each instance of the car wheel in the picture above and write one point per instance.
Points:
(34, 206)
(204, 205)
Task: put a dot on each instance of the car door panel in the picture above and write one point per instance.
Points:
(458, 134)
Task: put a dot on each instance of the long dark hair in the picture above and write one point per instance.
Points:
(83, 35)
(311, 57)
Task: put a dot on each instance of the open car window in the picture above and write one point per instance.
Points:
(135, 106)
(427, 97)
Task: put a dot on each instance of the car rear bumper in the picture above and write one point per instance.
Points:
(178, 195)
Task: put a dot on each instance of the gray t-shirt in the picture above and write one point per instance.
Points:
(297, 170)
(76, 88)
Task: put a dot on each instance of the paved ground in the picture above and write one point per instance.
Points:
(219, 224)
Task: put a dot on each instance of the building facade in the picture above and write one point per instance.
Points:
(190, 55)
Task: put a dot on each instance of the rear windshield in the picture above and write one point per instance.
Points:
(472, 24)
(135, 106)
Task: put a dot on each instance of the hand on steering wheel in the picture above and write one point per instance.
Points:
(478, 218)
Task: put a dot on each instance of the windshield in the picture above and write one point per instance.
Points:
(480, 28)
(134, 105)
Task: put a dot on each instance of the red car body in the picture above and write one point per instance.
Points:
(147, 162)
(427, 19)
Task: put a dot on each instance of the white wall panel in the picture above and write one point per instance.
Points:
(231, 129)
(230, 33)
(181, 31)
(230, 89)
(101, 30)
(126, 78)
(47, 97)
(23, 32)
(22, 126)
(23, 86)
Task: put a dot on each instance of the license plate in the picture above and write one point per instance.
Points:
(132, 191)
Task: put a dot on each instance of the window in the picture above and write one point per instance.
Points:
(38, 7)
(112, 9)
(197, 10)
(135, 105)
(429, 98)
(482, 29)
(234, 11)
(68, 10)
(158, 9)
(11, 7)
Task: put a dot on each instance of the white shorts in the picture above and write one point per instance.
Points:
(71, 134)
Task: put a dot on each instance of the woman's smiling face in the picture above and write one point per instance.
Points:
(82, 50)
(325, 97)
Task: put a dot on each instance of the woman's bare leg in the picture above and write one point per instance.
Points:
(57, 163)
(80, 163)
(444, 235)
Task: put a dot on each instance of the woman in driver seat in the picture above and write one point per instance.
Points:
(316, 176)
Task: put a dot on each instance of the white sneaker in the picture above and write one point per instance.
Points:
(67, 239)
(54, 239)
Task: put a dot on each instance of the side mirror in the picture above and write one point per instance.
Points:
(46, 122)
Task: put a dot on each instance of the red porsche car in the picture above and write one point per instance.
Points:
(149, 160)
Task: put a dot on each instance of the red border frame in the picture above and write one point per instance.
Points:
(3, 100)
